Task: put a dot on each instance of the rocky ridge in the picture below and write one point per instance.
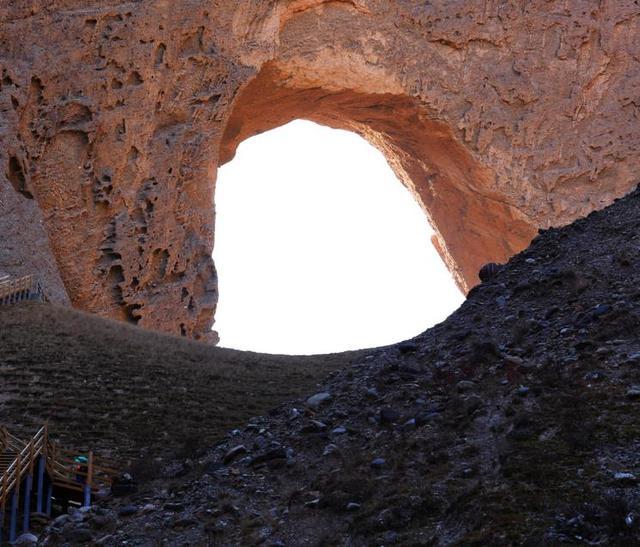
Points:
(514, 422)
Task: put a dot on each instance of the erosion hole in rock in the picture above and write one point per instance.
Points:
(16, 177)
(319, 248)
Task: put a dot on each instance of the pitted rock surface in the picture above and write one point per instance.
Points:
(500, 117)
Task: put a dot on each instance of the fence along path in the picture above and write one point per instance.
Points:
(14, 290)
(70, 475)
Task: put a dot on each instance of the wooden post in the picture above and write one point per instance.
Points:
(28, 486)
(26, 510)
(14, 514)
(40, 487)
(42, 464)
(89, 479)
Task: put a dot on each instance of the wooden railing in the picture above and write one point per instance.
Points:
(67, 472)
(24, 461)
(17, 289)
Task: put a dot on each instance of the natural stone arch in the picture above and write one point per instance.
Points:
(113, 120)
(472, 221)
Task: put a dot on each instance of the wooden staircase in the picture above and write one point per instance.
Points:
(6, 459)
(63, 474)
(14, 290)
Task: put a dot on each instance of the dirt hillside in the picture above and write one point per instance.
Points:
(514, 422)
(126, 392)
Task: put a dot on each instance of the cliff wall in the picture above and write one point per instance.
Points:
(500, 117)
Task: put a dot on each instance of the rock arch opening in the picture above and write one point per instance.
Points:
(319, 249)
(473, 223)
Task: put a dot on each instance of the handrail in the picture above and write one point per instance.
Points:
(63, 470)
(23, 463)
(14, 290)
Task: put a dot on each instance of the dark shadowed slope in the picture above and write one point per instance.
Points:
(124, 390)
(514, 422)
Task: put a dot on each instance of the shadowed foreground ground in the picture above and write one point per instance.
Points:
(125, 391)
(513, 422)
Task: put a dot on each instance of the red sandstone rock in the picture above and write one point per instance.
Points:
(500, 119)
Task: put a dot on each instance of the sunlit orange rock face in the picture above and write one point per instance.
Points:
(500, 117)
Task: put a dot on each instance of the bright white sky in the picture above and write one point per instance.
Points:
(319, 248)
